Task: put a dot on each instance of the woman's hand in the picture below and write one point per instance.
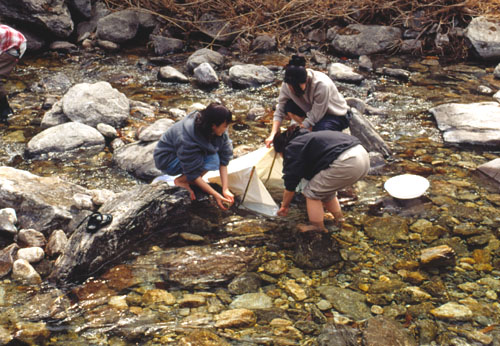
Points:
(222, 201)
(228, 194)
(269, 141)
(283, 211)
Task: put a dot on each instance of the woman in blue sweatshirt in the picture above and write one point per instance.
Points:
(196, 144)
(330, 160)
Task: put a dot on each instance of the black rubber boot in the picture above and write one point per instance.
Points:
(5, 110)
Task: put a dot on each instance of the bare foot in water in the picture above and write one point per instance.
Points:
(311, 228)
(185, 185)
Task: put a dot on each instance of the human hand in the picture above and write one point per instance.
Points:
(269, 141)
(283, 211)
(228, 194)
(222, 201)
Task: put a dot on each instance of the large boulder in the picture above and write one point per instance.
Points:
(118, 27)
(474, 123)
(250, 75)
(96, 103)
(65, 140)
(136, 213)
(50, 15)
(41, 203)
(483, 34)
(204, 55)
(358, 39)
(137, 159)
(83, 7)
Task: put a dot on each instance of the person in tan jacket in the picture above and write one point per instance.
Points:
(315, 94)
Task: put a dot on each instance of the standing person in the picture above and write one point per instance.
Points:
(196, 144)
(315, 94)
(12, 48)
(330, 160)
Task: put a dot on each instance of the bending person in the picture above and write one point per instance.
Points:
(12, 48)
(330, 160)
(196, 144)
(315, 94)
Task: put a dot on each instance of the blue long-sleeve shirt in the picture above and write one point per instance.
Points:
(186, 143)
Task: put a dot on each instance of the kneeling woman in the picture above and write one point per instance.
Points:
(330, 160)
(197, 144)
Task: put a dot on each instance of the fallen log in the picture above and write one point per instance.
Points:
(136, 213)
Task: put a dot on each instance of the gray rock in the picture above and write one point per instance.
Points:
(41, 203)
(138, 108)
(214, 265)
(31, 254)
(106, 130)
(154, 131)
(8, 220)
(365, 63)
(57, 83)
(346, 301)
(204, 55)
(264, 43)
(252, 301)
(108, 45)
(136, 214)
(63, 46)
(411, 45)
(137, 159)
(394, 72)
(24, 272)
(497, 96)
(244, 283)
(315, 250)
(380, 331)
(96, 103)
(50, 15)
(170, 74)
(496, 72)
(53, 304)
(249, 75)
(338, 335)
(366, 39)
(344, 73)
(474, 123)
(205, 75)
(7, 259)
(453, 311)
(491, 169)
(118, 27)
(57, 243)
(56, 141)
(54, 116)
(483, 35)
(84, 7)
(31, 238)
(166, 45)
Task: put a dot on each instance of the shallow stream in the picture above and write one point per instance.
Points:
(405, 124)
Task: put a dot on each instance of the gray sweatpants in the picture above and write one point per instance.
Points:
(351, 166)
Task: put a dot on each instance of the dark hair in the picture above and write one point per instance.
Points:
(293, 108)
(296, 73)
(281, 139)
(214, 114)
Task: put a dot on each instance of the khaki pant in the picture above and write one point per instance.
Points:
(351, 166)
(7, 64)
